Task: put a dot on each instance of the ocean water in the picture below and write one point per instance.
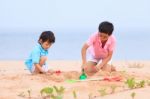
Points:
(17, 45)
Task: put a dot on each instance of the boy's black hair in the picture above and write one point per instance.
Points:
(47, 36)
(106, 27)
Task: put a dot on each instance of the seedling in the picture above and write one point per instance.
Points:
(29, 93)
(131, 83)
(113, 88)
(102, 92)
(74, 94)
(133, 95)
(140, 84)
(59, 92)
(47, 91)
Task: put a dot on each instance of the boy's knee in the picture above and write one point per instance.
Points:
(89, 67)
(113, 68)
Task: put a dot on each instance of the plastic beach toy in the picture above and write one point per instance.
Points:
(110, 79)
(83, 75)
(58, 72)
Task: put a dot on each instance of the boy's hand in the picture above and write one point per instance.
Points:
(98, 67)
(83, 67)
(42, 72)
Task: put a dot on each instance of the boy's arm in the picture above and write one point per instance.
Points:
(37, 66)
(83, 53)
(105, 60)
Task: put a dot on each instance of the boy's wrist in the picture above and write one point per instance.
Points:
(83, 62)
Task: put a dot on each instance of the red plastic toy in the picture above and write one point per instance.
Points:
(58, 72)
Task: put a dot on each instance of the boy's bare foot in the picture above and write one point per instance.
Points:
(113, 69)
(109, 68)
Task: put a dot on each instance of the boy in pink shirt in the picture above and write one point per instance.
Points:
(99, 47)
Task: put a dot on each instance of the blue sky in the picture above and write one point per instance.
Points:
(73, 13)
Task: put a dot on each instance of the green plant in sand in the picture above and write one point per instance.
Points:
(133, 95)
(59, 92)
(131, 83)
(74, 94)
(102, 92)
(140, 84)
(29, 93)
(49, 92)
(113, 88)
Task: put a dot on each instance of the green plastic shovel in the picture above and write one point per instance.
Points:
(83, 75)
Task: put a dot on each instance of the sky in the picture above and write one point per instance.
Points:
(68, 14)
(131, 19)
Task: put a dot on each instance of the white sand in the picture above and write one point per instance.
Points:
(15, 80)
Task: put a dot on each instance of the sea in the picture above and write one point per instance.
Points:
(17, 44)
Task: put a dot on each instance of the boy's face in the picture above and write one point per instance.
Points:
(103, 36)
(46, 45)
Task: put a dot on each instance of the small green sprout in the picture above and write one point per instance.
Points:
(113, 88)
(29, 93)
(47, 91)
(59, 91)
(131, 83)
(133, 95)
(102, 92)
(74, 94)
(141, 84)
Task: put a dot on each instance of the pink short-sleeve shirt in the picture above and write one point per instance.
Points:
(95, 46)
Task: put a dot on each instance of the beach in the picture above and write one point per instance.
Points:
(16, 82)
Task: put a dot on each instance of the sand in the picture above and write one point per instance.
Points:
(16, 81)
